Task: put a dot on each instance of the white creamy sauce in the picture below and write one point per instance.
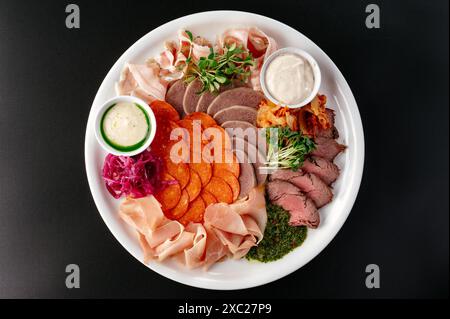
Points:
(289, 78)
(125, 124)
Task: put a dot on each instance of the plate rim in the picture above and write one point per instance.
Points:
(355, 179)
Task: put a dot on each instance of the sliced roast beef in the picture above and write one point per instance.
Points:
(327, 148)
(290, 198)
(255, 157)
(207, 97)
(240, 96)
(175, 96)
(326, 170)
(277, 189)
(191, 96)
(247, 178)
(236, 112)
(311, 185)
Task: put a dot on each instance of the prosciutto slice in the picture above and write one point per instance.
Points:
(143, 81)
(149, 81)
(258, 44)
(228, 230)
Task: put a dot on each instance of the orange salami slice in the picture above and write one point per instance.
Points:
(194, 213)
(187, 124)
(227, 164)
(194, 187)
(204, 170)
(205, 119)
(170, 195)
(231, 180)
(208, 198)
(164, 110)
(220, 190)
(217, 141)
(161, 143)
(179, 171)
(181, 208)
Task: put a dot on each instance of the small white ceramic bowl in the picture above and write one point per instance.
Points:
(307, 57)
(98, 119)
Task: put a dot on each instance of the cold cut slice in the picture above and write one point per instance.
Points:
(235, 113)
(191, 96)
(326, 170)
(239, 96)
(311, 185)
(290, 198)
(247, 178)
(255, 157)
(175, 96)
(207, 97)
(327, 148)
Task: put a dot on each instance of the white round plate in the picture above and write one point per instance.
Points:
(239, 274)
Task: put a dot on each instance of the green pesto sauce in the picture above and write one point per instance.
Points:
(279, 237)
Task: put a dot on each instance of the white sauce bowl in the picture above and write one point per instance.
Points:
(303, 54)
(98, 119)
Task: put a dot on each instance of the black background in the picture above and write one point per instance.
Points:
(49, 76)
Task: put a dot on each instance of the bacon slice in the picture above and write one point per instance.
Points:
(143, 81)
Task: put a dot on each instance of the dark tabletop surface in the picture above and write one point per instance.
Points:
(49, 76)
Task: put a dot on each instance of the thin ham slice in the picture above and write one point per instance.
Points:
(228, 230)
(241, 225)
(159, 237)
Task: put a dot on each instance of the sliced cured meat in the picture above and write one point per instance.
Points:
(207, 97)
(143, 81)
(327, 148)
(311, 185)
(218, 140)
(254, 205)
(290, 198)
(179, 171)
(239, 96)
(231, 180)
(164, 110)
(247, 177)
(238, 226)
(181, 207)
(237, 125)
(255, 157)
(175, 96)
(194, 213)
(235, 113)
(205, 119)
(220, 190)
(229, 162)
(208, 198)
(154, 229)
(324, 169)
(170, 195)
(191, 96)
(194, 187)
(204, 171)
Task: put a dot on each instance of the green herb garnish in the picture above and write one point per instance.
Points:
(279, 237)
(189, 33)
(287, 148)
(217, 69)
